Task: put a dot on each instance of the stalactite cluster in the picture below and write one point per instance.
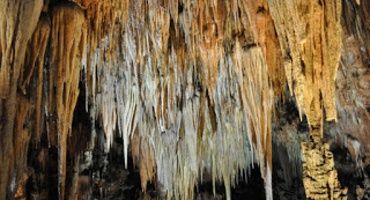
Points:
(177, 98)
(68, 36)
(311, 50)
(195, 89)
(17, 27)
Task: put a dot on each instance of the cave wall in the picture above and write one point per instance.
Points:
(197, 90)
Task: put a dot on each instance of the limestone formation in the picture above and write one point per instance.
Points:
(188, 92)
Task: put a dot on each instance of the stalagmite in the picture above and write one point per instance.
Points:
(320, 178)
(311, 49)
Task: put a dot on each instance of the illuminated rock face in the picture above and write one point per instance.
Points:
(320, 178)
(198, 91)
(311, 48)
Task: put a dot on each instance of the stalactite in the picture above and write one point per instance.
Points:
(143, 157)
(264, 35)
(22, 134)
(33, 71)
(68, 39)
(311, 49)
(190, 87)
(18, 20)
(163, 91)
(24, 131)
(257, 102)
(105, 21)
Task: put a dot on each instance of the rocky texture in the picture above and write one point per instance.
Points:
(174, 97)
(18, 21)
(349, 136)
(311, 50)
(195, 91)
(320, 177)
(68, 40)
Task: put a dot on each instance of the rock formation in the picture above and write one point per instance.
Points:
(188, 93)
